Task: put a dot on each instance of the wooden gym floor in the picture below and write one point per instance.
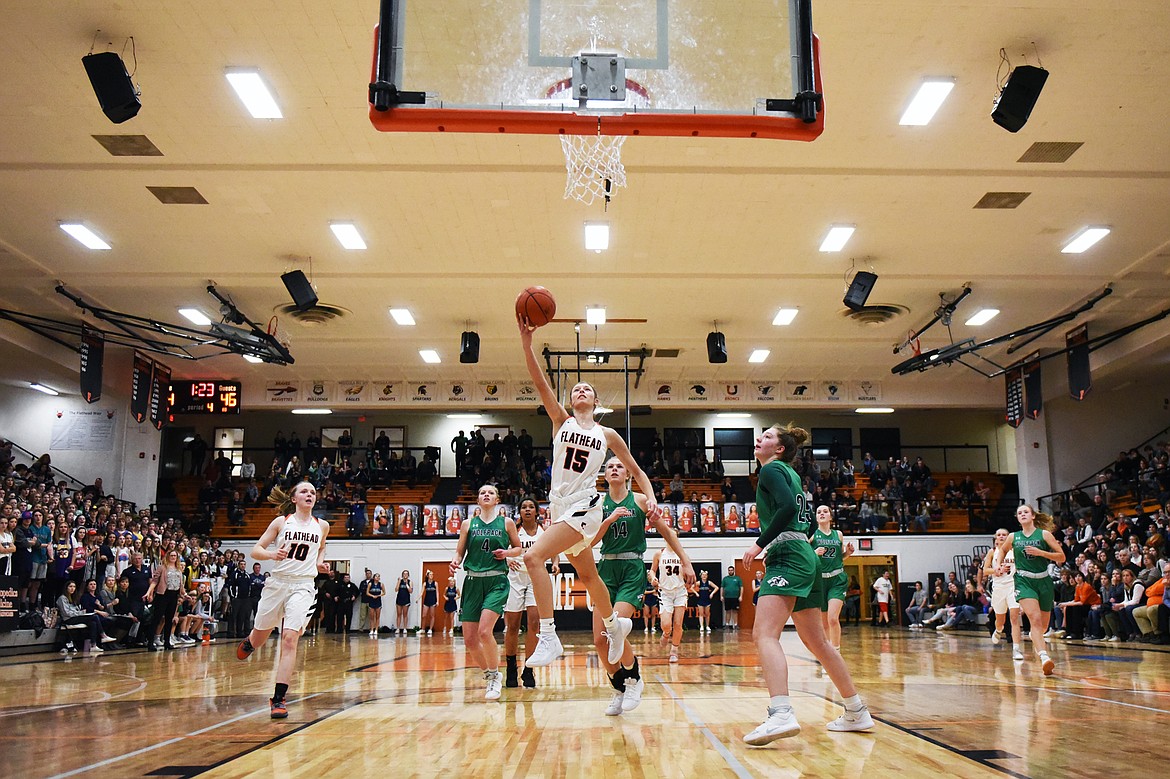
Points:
(406, 707)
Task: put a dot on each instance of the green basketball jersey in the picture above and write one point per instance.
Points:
(832, 559)
(627, 534)
(767, 507)
(1024, 562)
(483, 538)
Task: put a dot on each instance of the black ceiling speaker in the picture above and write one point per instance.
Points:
(469, 347)
(1015, 103)
(640, 411)
(859, 290)
(716, 348)
(303, 295)
(112, 85)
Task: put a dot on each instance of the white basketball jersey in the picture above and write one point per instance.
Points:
(303, 542)
(670, 571)
(521, 577)
(1008, 579)
(578, 455)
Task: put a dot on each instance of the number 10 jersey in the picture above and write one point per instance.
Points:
(303, 542)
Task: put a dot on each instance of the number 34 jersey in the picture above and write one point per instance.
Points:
(578, 455)
(302, 539)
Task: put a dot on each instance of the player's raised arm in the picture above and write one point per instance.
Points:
(556, 412)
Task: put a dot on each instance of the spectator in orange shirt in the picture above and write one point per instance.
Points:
(1147, 616)
(1076, 610)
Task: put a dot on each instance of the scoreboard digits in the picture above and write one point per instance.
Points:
(205, 396)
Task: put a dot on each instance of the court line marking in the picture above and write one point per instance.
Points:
(720, 747)
(1107, 700)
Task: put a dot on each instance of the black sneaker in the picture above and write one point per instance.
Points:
(510, 679)
(278, 709)
(528, 678)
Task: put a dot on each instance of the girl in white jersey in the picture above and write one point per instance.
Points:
(1003, 594)
(666, 574)
(579, 448)
(289, 597)
(521, 598)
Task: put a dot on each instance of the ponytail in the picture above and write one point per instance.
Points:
(791, 438)
(1045, 522)
(284, 500)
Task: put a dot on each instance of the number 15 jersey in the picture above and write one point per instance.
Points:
(303, 542)
(578, 455)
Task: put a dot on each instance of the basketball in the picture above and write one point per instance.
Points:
(536, 305)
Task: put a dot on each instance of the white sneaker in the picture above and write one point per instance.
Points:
(615, 706)
(781, 723)
(95, 648)
(1050, 633)
(548, 648)
(633, 695)
(996, 637)
(493, 685)
(1017, 653)
(852, 720)
(430, 632)
(1113, 639)
(617, 638)
(674, 655)
(106, 639)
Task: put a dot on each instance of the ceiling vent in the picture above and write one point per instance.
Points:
(320, 314)
(1002, 199)
(180, 196)
(128, 145)
(1051, 151)
(669, 353)
(875, 315)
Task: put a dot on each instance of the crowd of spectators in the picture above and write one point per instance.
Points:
(1112, 588)
(121, 575)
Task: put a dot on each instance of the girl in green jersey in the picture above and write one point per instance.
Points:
(1033, 547)
(623, 544)
(832, 550)
(791, 588)
(483, 541)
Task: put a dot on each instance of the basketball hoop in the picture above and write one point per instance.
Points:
(278, 333)
(593, 164)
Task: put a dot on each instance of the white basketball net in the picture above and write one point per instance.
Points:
(594, 166)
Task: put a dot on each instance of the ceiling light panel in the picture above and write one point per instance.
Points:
(926, 102)
(402, 316)
(86, 237)
(1084, 240)
(348, 236)
(254, 93)
(785, 316)
(837, 237)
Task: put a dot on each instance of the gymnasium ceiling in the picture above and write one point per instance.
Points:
(708, 230)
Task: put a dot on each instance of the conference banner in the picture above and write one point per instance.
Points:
(93, 353)
(1080, 380)
(1033, 393)
(140, 387)
(1014, 396)
(160, 389)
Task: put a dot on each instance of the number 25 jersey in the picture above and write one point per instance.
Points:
(578, 455)
(303, 542)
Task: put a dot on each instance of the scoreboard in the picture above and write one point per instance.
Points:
(205, 396)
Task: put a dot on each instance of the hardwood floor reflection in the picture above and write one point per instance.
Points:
(412, 707)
